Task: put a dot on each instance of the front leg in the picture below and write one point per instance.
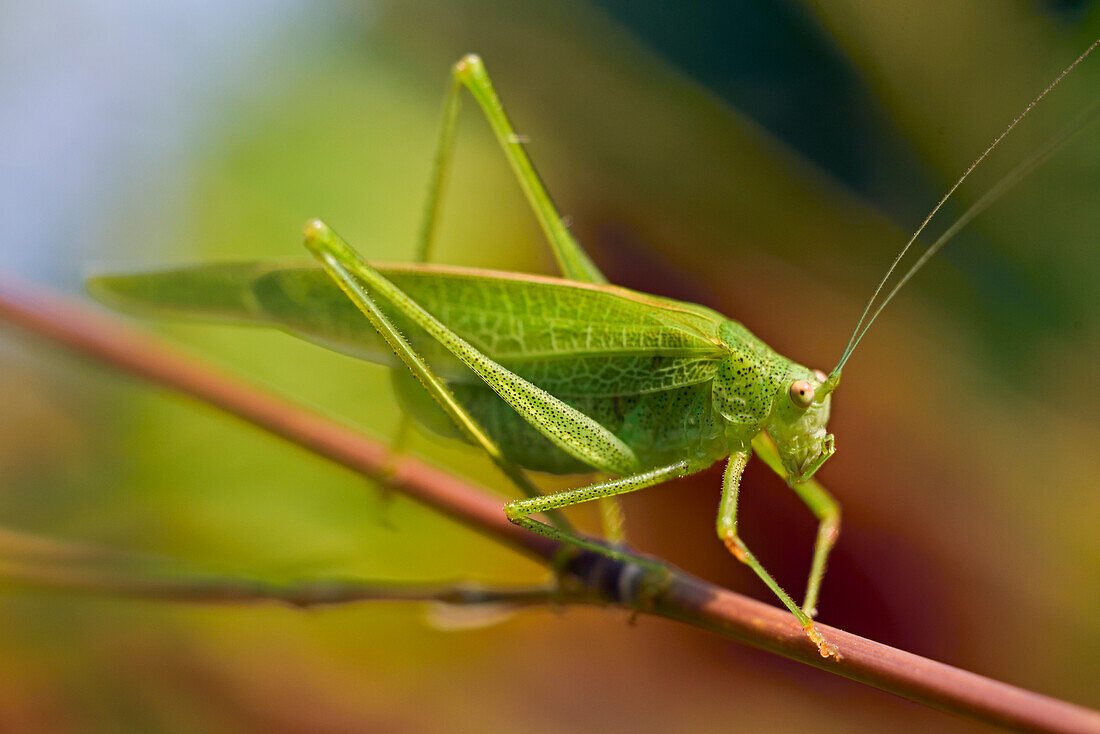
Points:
(827, 511)
(727, 531)
(825, 508)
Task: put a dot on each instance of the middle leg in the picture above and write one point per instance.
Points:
(520, 511)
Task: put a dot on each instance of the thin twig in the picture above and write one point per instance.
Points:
(37, 561)
(685, 598)
(231, 590)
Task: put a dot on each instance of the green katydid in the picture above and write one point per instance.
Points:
(561, 375)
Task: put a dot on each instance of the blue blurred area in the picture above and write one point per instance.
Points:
(102, 98)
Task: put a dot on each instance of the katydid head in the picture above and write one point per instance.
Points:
(797, 423)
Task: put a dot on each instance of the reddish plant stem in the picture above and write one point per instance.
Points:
(686, 598)
(916, 678)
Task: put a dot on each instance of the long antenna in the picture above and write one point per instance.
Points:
(1019, 172)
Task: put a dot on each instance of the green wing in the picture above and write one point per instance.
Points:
(569, 338)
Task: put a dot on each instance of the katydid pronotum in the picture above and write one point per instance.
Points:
(561, 375)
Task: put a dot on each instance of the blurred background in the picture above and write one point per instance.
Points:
(764, 159)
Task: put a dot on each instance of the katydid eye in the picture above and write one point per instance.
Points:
(802, 394)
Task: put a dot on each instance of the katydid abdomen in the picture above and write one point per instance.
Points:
(660, 427)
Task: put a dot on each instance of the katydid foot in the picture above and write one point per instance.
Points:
(741, 552)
